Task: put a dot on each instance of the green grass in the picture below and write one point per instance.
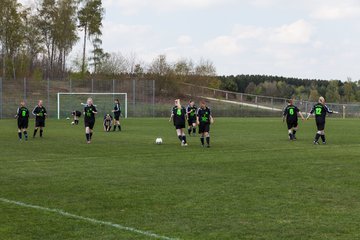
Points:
(252, 184)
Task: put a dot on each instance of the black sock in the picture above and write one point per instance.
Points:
(208, 140)
(91, 135)
(87, 136)
(294, 132)
(35, 131)
(26, 135)
(202, 140)
(180, 138)
(291, 136)
(317, 137)
(119, 126)
(41, 132)
(76, 122)
(114, 128)
(184, 139)
(323, 138)
(194, 130)
(189, 130)
(20, 135)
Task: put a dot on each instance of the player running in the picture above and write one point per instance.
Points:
(117, 114)
(22, 115)
(291, 113)
(76, 115)
(320, 110)
(107, 122)
(191, 114)
(89, 119)
(178, 115)
(204, 119)
(40, 115)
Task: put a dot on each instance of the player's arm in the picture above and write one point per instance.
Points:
(17, 113)
(301, 115)
(35, 111)
(311, 113)
(328, 110)
(95, 110)
(171, 117)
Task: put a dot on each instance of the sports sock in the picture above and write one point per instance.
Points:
(20, 135)
(114, 128)
(91, 135)
(208, 140)
(184, 139)
(35, 131)
(291, 136)
(87, 136)
(119, 126)
(41, 132)
(180, 138)
(317, 137)
(76, 122)
(294, 132)
(189, 130)
(323, 138)
(202, 140)
(26, 135)
(194, 130)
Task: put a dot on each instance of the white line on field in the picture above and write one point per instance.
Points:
(91, 220)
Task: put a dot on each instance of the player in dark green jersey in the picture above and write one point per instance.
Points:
(320, 110)
(89, 119)
(40, 115)
(204, 119)
(191, 115)
(117, 114)
(22, 115)
(178, 116)
(290, 114)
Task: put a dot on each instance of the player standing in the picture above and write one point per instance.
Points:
(291, 113)
(107, 122)
(89, 119)
(191, 114)
(204, 119)
(117, 114)
(40, 114)
(178, 115)
(22, 115)
(320, 110)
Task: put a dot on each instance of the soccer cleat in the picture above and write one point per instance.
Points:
(324, 143)
(208, 146)
(294, 137)
(316, 143)
(88, 142)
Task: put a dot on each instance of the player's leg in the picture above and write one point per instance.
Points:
(179, 133)
(41, 130)
(202, 134)
(24, 127)
(322, 135)
(35, 130)
(294, 130)
(194, 128)
(183, 134)
(207, 134)
(290, 131)
(87, 132)
(319, 132)
(20, 134)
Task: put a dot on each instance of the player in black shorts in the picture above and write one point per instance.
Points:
(320, 110)
(204, 119)
(22, 115)
(76, 115)
(107, 122)
(89, 119)
(117, 114)
(291, 113)
(191, 114)
(40, 115)
(178, 115)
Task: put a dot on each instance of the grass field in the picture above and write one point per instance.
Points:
(252, 184)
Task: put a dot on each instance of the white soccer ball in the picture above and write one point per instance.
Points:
(72, 123)
(67, 118)
(159, 141)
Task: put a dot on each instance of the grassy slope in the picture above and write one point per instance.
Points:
(252, 184)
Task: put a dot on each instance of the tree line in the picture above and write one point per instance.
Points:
(304, 89)
(38, 40)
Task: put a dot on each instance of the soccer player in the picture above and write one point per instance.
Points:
(76, 115)
(22, 115)
(191, 114)
(89, 119)
(107, 122)
(320, 110)
(291, 113)
(40, 114)
(204, 119)
(178, 115)
(117, 114)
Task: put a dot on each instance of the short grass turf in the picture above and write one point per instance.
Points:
(252, 184)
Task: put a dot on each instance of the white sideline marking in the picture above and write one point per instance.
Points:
(91, 220)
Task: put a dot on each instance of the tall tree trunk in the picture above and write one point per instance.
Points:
(84, 51)
(13, 66)
(3, 63)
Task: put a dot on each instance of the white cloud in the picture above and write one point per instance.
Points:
(184, 40)
(333, 10)
(223, 45)
(298, 32)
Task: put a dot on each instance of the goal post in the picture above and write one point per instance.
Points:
(68, 102)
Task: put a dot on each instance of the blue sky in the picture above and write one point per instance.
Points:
(307, 39)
